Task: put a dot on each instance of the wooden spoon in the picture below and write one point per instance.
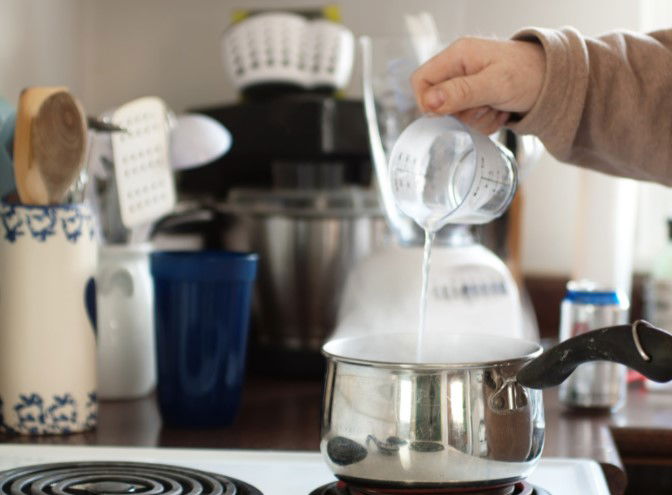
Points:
(49, 144)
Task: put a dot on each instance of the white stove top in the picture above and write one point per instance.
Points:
(281, 472)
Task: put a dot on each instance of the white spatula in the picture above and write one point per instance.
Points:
(143, 174)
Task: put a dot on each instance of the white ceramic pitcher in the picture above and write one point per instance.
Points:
(125, 296)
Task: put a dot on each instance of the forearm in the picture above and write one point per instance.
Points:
(606, 102)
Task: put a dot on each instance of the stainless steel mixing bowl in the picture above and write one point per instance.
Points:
(307, 241)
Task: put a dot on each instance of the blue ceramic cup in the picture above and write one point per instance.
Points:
(202, 311)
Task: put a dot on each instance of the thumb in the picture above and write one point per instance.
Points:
(461, 93)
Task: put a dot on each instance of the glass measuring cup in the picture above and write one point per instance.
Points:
(444, 172)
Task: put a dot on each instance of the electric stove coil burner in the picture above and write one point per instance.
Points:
(117, 478)
(342, 488)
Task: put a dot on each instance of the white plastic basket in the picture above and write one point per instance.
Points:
(290, 49)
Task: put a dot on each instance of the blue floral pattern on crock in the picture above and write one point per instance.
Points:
(35, 417)
(72, 225)
(92, 411)
(11, 222)
(42, 222)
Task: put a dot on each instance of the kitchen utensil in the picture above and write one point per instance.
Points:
(78, 191)
(444, 172)
(307, 242)
(47, 341)
(285, 48)
(98, 125)
(104, 196)
(142, 171)
(202, 311)
(470, 414)
(107, 201)
(100, 155)
(197, 140)
(49, 144)
(125, 315)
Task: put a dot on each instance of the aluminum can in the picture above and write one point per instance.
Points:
(598, 385)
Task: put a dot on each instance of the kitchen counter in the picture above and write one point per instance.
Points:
(285, 414)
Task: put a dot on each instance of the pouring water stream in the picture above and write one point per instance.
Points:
(429, 239)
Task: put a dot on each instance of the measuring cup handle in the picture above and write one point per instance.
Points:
(641, 346)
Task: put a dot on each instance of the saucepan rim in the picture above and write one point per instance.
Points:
(534, 350)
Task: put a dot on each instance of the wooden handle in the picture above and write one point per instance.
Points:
(30, 101)
(50, 137)
(58, 143)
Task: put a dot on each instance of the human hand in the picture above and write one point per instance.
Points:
(481, 81)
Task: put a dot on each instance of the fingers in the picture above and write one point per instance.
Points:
(460, 93)
(471, 73)
(461, 58)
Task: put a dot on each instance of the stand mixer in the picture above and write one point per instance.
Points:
(470, 288)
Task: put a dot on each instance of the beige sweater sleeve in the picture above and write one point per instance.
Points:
(606, 103)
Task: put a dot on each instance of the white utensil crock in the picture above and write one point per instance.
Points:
(126, 356)
(47, 310)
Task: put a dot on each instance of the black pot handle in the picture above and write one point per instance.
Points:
(641, 346)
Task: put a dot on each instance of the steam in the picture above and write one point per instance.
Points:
(447, 349)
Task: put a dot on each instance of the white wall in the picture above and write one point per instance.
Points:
(40, 44)
(171, 47)
(112, 51)
(655, 202)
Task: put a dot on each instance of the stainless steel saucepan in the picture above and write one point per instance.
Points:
(469, 413)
